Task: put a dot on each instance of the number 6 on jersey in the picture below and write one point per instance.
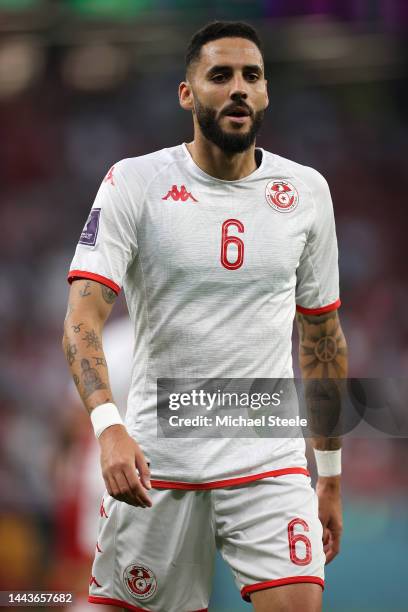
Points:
(227, 240)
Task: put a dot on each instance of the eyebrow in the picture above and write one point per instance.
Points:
(250, 67)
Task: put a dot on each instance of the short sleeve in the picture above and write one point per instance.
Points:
(108, 243)
(317, 282)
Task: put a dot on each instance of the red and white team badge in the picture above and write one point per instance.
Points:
(140, 581)
(281, 196)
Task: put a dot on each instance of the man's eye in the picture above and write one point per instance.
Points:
(218, 78)
(252, 76)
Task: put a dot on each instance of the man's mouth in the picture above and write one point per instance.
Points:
(238, 114)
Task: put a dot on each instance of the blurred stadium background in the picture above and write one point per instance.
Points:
(84, 83)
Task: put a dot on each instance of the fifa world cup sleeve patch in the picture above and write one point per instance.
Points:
(90, 231)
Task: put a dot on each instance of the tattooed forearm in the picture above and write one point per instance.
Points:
(91, 379)
(92, 340)
(323, 361)
(108, 295)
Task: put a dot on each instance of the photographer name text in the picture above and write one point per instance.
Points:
(238, 421)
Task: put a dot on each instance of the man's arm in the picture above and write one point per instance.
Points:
(89, 306)
(323, 355)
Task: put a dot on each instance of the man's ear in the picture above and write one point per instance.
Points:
(186, 96)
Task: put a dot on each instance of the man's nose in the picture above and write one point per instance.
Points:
(238, 89)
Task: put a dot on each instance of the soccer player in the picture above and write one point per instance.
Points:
(216, 243)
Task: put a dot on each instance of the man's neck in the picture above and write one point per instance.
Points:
(212, 160)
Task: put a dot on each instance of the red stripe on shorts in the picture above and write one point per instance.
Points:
(217, 484)
(260, 586)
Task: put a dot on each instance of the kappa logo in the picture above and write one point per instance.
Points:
(94, 581)
(281, 196)
(140, 581)
(177, 194)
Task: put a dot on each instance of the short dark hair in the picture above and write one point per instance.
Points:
(216, 30)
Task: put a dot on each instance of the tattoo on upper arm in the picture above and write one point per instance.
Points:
(85, 291)
(76, 379)
(71, 351)
(108, 295)
(90, 378)
(92, 340)
(323, 350)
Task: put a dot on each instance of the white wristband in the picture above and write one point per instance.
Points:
(328, 462)
(103, 416)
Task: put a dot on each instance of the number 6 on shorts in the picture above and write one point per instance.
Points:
(299, 537)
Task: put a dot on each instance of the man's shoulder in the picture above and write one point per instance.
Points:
(144, 168)
(292, 169)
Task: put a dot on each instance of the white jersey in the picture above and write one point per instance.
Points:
(213, 271)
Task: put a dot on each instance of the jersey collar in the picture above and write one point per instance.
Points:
(254, 175)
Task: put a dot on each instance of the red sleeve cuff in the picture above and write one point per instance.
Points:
(74, 274)
(317, 311)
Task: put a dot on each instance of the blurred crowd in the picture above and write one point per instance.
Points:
(56, 145)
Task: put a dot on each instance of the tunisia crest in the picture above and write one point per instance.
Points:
(140, 581)
(281, 196)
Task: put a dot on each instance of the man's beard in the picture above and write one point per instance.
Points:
(227, 141)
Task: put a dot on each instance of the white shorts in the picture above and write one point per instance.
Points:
(161, 559)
